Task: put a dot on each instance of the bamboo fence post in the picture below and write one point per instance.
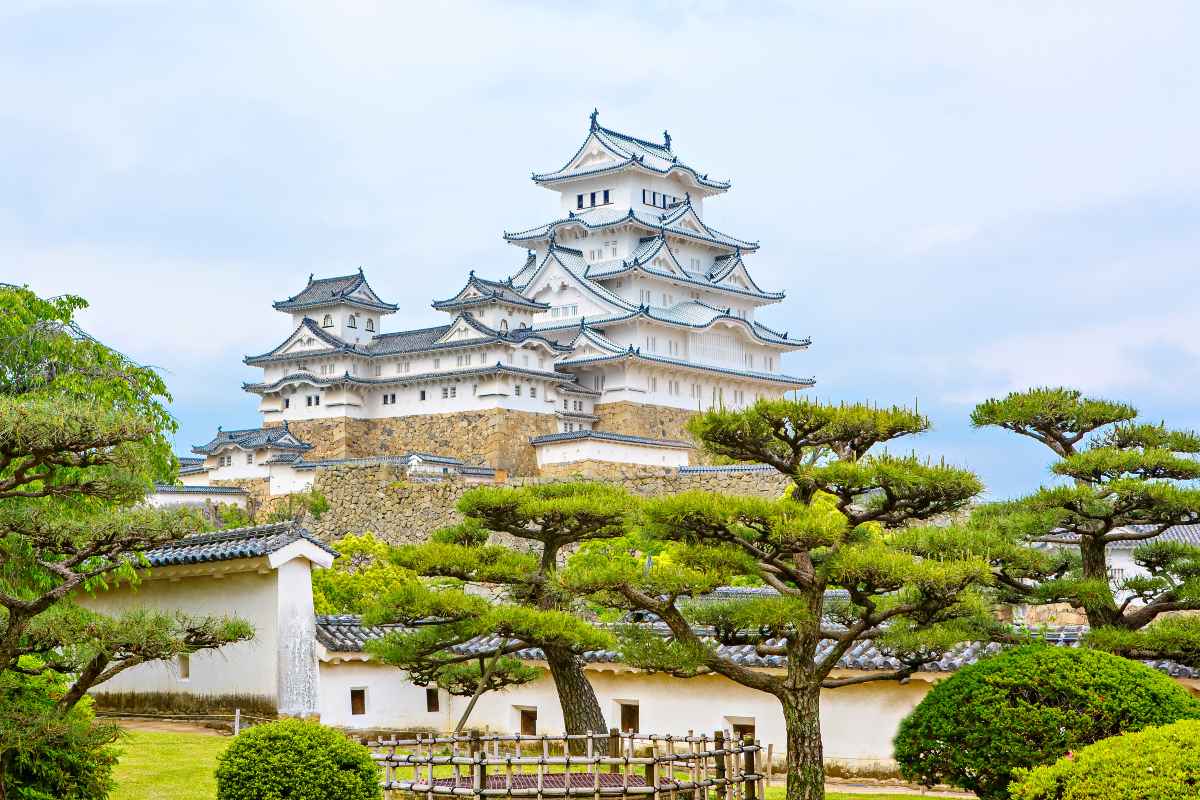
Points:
(770, 763)
(748, 767)
(761, 780)
(614, 749)
(651, 769)
(719, 746)
(542, 766)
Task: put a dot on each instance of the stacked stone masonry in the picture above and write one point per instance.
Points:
(380, 499)
(493, 437)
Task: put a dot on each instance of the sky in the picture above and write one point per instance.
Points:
(960, 199)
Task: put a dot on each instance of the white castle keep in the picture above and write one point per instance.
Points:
(627, 301)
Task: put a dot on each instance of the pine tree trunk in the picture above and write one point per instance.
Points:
(1100, 610)
(805, 754)
(580, 708)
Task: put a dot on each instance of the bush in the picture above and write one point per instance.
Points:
(297, 760)
(48, 753)
(1160, 763)
(1026, 707)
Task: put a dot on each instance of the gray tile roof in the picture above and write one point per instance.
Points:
(636, 353)
(333, 291)
(274, 438)
(189, 461)
(490, 292)
(1185, 534)
(630, 150)
(669, 222)
(605, 436)
(345, 634)
(166, 488)
(254, 542)
(651, 246)
(726, 468)
(447, 374)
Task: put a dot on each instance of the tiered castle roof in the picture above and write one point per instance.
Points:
(350, 290)
(631, 152)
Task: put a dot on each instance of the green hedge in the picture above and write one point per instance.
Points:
(1028, 706)
(1159, 763)
(298, 761)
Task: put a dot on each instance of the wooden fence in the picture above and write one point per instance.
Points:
(612, 764)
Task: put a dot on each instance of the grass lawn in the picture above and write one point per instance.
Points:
(179, 766)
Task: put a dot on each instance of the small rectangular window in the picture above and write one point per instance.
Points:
(579, 201)
(454, 391)
(445, 392)
(629, 717)
(185, 667)
(358, 702)
(249, 458)
(287, 402)
(437, 362)
(308, 399)
(593, 198)
(606, 200)
(431, 700)
(533, 391)
(529, 722)
(316, 399)
(422, 394)
(517, 389)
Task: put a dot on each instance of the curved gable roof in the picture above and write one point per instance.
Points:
(341, 290)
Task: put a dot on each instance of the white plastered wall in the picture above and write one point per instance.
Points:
(619, 452)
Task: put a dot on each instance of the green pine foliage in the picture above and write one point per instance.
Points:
(1160, 763)
(1028, 706)
(298, 760)
(83, 438)
(529, 606)
(850, 521)
(52, 755)
(1123, 482)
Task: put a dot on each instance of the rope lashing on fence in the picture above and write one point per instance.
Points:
(642, 765)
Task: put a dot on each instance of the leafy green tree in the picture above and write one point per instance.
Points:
(82, 440)
(361, 574)
(1125, 481)
(845, 524)
(1028, 706)
(529, 607)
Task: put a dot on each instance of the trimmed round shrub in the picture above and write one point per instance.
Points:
(1159, 763)
(299, 761)
(1028, 706)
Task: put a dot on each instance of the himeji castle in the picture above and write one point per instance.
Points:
(625, 314)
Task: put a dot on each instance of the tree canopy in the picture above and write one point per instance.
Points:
(82, 440)
(840, 552)
(1124, 482)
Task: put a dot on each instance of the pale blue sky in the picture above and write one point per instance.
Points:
(960, 199)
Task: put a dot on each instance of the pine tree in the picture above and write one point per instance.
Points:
(1125, 481)
(529, 608)
(845, 524)
(82, 439)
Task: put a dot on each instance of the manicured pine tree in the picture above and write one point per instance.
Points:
(1125, 481)
(529, 608)
(82, 440)
(845, 524)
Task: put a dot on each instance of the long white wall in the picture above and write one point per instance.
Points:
(569, 451)
(242, 668)
(857, 722)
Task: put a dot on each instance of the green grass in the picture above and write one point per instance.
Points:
(167, 766)
(179, 766)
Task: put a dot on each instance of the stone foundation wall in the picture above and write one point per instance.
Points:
(494, 437)
(635, 419)
(378, 499)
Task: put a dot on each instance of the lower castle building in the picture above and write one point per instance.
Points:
(626, 314)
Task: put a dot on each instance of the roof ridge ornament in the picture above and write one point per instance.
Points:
(595, 113)
(667, 139)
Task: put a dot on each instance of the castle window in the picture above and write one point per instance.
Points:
(378, 370)
(421, 395)
(579, 201)
(249, 458)
(328, 321)
(370, 325)
(308, 399)
(287, 402)
(358, 702)
(606, 200)
(654, 384)
(437, 363)
(402, 366)
(504, 326)
(593, 199)
(445, 392)
(352, 322)
(431, 700)
(517, 389)
(565, 407)
(533, 391)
